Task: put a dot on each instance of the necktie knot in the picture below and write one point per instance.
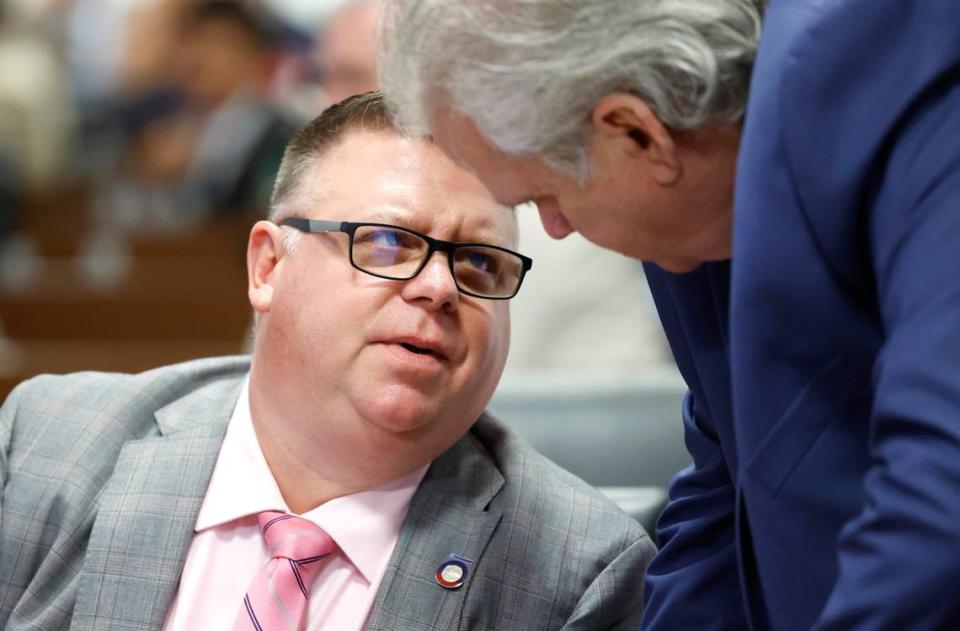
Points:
(277, 598)
(294, 538)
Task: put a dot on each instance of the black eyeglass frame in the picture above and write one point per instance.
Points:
(433, 245)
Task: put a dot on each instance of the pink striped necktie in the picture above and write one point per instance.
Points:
(277, 599)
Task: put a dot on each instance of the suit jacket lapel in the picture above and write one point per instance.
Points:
(448, 515)
(147, 513)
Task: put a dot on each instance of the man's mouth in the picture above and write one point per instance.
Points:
(423, 347)
(418, 350)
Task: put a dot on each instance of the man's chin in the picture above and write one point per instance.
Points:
(399, 408)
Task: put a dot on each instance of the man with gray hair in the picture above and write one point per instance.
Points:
(824, 397)
(345, 476)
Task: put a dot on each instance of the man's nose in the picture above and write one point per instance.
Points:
(555, 224)
(434, 285)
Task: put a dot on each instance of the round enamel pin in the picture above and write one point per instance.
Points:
(451, 574)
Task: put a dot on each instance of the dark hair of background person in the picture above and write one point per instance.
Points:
(247, 20)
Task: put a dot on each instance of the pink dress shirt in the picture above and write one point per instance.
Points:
(227, 549)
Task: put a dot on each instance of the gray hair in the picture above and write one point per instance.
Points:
(529, 72)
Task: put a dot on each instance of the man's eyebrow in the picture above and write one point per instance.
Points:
(484, 230)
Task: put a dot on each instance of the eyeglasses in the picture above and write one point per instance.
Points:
(386, 251)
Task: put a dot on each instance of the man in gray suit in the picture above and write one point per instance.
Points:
(137, 501)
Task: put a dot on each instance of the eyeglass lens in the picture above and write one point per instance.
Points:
(396, 253)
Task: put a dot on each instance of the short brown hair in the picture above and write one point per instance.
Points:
(366, 111)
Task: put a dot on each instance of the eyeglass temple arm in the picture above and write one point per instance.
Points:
(313, 225)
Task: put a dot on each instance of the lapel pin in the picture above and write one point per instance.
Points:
(453, 572)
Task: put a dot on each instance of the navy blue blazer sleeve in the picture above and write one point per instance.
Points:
(693, 583)
(899, 558)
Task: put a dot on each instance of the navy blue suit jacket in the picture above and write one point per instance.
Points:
(824, 366)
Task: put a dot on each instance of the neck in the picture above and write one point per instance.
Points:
(302, 486)
(310, 460)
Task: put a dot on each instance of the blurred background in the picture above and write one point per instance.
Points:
(138, 143)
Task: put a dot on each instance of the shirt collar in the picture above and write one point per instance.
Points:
(364, 525)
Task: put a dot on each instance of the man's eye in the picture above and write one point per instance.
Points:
(483, 262)
(387, 238)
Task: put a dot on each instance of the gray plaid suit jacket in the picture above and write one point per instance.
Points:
(103, 476)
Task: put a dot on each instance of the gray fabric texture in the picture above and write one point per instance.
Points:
(103, 476)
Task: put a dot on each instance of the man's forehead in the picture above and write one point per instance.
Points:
(507, 177)
(388, 178)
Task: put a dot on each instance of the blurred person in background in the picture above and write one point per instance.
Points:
(351, 451)
(793, 178)
(36, 109)
(119, 53)
(346, 50)
(209, 142)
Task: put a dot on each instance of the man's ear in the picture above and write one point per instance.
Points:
(264, 251)
(627, 125)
